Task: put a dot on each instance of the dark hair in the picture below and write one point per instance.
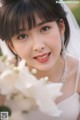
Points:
(14, 12)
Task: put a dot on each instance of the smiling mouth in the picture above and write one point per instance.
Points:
(43, 58)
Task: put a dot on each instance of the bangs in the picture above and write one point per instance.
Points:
(23, 13)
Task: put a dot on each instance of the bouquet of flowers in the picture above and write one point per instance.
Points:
(24, 92)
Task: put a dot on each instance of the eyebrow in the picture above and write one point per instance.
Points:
(21, 30)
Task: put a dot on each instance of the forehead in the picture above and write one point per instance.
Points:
(38, 21)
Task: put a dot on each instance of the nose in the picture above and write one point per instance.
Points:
(38, 45)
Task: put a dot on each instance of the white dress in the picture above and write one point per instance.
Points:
(69, 106)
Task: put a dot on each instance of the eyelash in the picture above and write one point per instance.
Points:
(43, 29)
(22, 35)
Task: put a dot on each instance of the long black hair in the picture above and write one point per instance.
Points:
(13, 14)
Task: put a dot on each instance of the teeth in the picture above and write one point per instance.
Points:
(43, 57)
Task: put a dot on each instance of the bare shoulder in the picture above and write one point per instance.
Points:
(73, 64)
(74, 69)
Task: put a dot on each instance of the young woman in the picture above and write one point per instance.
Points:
(38, 31)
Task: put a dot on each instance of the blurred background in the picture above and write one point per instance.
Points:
(75, 8)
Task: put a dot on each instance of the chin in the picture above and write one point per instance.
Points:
(45, 67)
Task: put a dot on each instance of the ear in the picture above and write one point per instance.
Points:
(61, 27)
(10, 45)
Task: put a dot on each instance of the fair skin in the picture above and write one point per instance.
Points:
(45, 38)
(42, 39)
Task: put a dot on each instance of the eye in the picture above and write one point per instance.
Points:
(22, 36)
(45, 28)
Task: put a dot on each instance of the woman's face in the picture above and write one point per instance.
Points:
(40, 46)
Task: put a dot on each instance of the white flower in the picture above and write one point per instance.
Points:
(43, 94)
(34, 71)
(2, 66)
(9, 77)
(16, 115)
(23, 103)
(24, 91)
(25, 80)
(7, 81)
(55, 89)
(45, 99)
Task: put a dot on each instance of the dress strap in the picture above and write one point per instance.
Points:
(77, 77)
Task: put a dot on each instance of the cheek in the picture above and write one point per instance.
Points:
(55, 40)
(22, 49)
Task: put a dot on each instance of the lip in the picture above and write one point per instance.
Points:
(41, 55)
(43, 60)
